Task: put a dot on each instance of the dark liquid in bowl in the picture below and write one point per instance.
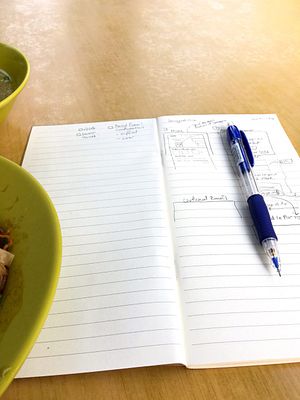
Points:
(6, 85)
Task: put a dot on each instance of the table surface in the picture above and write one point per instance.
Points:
(96, 60)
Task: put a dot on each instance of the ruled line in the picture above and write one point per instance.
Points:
(111, 215)
(232, 234)
(112, 294)
(217, 217)
(114, 223)
(93, 167)
(97, 179)
(116, 231)
(222, 254)
(112, 282)
(241, 312)
(109, 199)
(213, 226)
(114, 260)
(113, 306)
(246, 341)
(109, 335)
(115, 250)
(56, 176)
(108, 207)
(108, 350)
(243, 299)
(214, 244)
(69, 160)
(234, 254)
(105, 192)
(243, 326)
(71, 146)
(232, 265)
(96, 162)
(235, 276)
(242, 287)
(116, 240)
(115, 270)
(109, 320)
(99, 185)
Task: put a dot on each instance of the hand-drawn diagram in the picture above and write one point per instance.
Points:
(204, 147)
(260, 143)
(190, 148)
(196, 209)
(208, 204)
(212, 215)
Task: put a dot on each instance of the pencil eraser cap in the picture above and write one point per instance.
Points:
(233, 134)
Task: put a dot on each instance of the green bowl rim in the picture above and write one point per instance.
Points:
(8, 99)
(41, 318)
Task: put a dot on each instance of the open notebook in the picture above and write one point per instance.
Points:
(161, 263)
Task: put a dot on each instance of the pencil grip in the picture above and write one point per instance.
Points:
(261, 217)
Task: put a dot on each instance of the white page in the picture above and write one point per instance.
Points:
(116, 301)
(237, 309)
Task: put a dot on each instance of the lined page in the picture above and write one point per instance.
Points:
(116, 301)
(236, 308)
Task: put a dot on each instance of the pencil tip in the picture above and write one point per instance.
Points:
(279, 273)
(277, 265)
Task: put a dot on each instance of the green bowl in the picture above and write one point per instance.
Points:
(27, 211)
(17, 66)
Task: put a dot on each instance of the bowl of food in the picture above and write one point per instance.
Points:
(30, 231)
(14, 73)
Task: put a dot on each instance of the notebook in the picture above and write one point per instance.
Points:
(161, 263)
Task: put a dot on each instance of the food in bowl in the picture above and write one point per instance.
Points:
(34, 272)
(5, 257)
(6, 85)
(15, 70)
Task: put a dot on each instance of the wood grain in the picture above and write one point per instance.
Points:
(96, 60)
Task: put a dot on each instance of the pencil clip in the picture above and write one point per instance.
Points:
(247, 148)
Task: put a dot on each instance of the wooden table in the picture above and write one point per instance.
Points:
(119, 59)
